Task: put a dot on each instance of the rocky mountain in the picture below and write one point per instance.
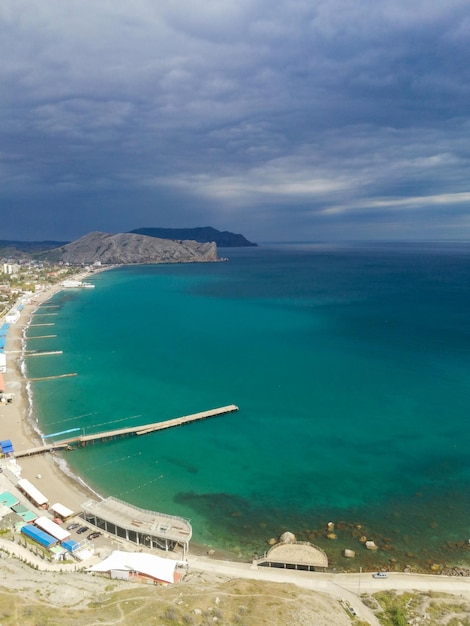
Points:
(203, 234)
(130, 248)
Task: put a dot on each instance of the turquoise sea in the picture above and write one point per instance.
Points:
(351, 368)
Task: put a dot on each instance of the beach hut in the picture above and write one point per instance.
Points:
(38, 535)
(61, 511)
(32, 493)
(6, 447)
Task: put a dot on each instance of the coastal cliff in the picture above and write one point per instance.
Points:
(129, 248)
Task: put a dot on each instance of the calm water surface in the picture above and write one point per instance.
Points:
(351, 368)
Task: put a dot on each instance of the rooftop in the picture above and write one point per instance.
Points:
(139, 520)
(297, 553)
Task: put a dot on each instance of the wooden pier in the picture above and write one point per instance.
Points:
(41, 337)
(47, 324)
(83, 440)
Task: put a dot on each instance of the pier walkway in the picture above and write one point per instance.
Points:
(144, 429)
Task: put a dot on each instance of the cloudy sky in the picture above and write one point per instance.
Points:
(279, 119)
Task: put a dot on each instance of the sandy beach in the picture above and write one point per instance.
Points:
(43, 470)
(53, 482)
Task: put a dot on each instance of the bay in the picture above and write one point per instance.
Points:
(350, 365)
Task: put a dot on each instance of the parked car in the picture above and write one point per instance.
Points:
(72, 526)
(380, 575)
(81, 530)
(94, 535)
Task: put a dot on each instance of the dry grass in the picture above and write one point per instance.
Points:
(32, 598)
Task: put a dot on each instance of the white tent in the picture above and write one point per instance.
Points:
(147, 564)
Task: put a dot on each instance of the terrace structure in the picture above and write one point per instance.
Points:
(140, 526)
(300, 555)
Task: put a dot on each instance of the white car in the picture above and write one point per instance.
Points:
(380, 575)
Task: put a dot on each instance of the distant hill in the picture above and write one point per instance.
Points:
(203, 234)
(129, 248)
(18, 249)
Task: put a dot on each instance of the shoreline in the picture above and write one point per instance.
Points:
(57, 480)
(18, 421)
(51, 474)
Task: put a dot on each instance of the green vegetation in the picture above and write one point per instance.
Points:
(431, 609)
(24, 276)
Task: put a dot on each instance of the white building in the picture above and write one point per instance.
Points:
(126, 565)
(11, 268)
(12, 316)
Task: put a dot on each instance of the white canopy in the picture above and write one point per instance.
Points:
(61, 510)
(30, 490)
(147, 564)
(50, 527)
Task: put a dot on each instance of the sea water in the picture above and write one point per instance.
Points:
(351, 368)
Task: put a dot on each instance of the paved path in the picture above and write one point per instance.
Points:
(341, 586)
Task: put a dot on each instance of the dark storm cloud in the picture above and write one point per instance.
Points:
(289, 119)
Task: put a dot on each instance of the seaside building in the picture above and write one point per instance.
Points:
(142, 527)
(51, 528)
(12, 316)
(73, 284)
(299, 555)
(38, 535)
(129, 565)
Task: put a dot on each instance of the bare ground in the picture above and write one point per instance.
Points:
(31, 597)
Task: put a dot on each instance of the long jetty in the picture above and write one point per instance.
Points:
(83, 440)
(34, 380)
(49, 353)
(34, 352)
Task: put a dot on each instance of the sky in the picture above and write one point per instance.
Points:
(283, 120)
